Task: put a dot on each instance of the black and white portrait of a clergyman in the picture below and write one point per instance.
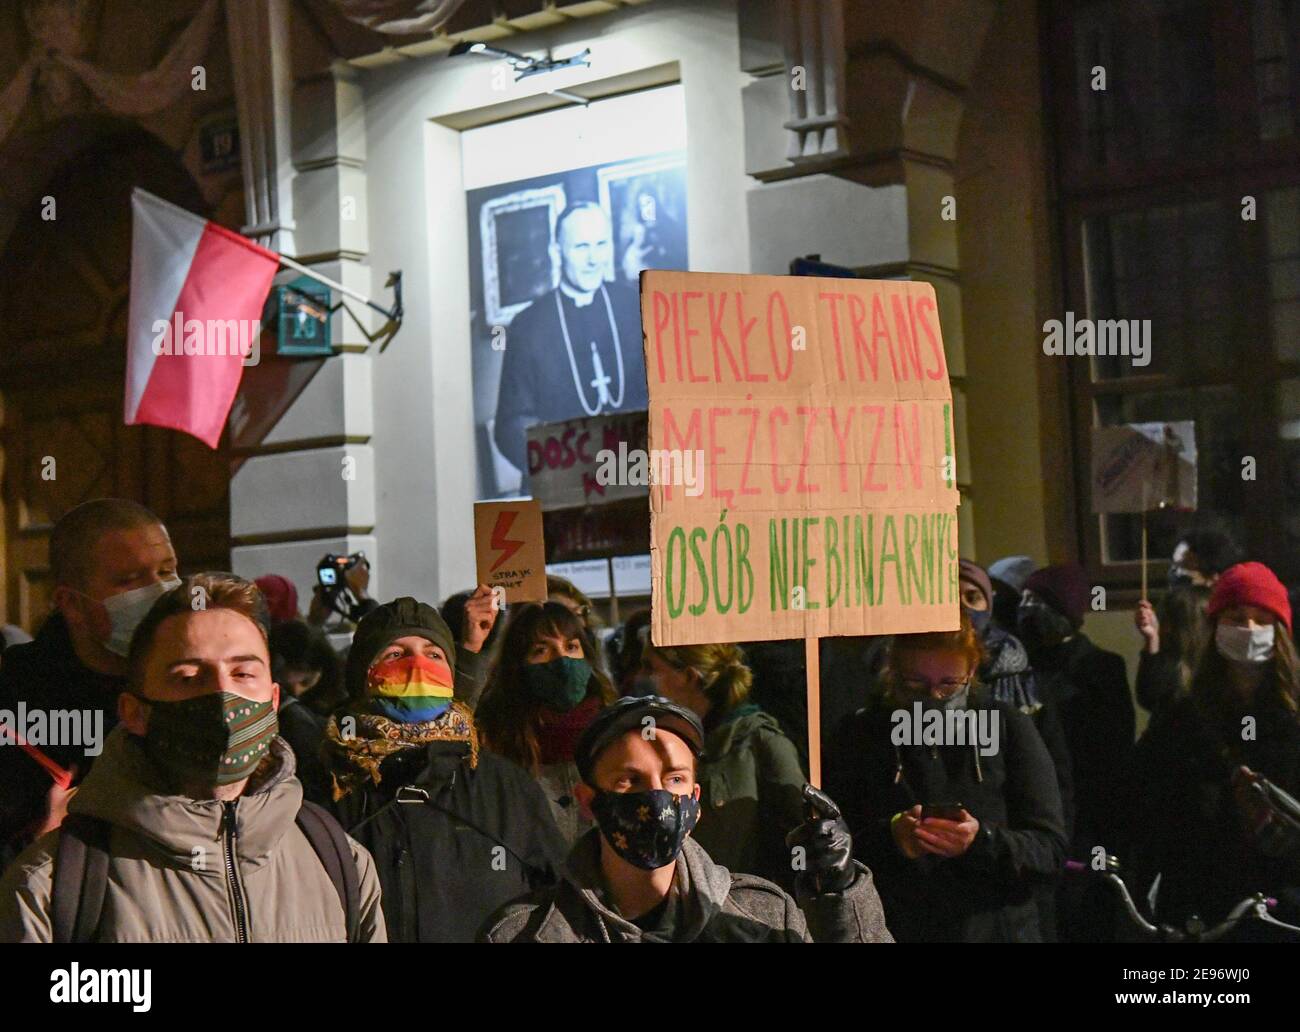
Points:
(576, 350)
(555, 262)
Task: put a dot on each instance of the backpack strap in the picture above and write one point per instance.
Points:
(330, 843)
(80, 878)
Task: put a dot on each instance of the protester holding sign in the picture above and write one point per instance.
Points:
(641, 876)
(543, 691)
(455, 831)
(951, 797)
(1174, 633)
(1199, 822)
(750, 776)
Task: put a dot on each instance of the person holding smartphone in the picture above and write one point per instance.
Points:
(959, 828)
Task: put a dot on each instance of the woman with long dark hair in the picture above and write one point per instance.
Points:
(543, 691)
(1200, 822)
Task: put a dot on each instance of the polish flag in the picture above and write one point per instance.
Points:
(197, 291)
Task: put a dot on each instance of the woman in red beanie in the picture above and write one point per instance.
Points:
(1198, 824)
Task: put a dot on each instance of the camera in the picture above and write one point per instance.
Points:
(331, 575)
(332, 570)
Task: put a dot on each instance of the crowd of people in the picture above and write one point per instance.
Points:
(460, 773)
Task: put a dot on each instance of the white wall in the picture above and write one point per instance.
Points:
(423, 421)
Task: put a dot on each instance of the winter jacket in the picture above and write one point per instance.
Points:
(452, 842)
(751, 796)
(169, 875)
(471, 675)
(1091, 687)
(47, 675)
(713, 905)
(304, 730)
(1186, 825)
(986, 894)
(1159, 679)
(558, 781)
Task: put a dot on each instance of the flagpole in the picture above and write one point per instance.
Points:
(335, 286)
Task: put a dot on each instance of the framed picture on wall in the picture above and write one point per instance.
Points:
(516, 230)
(554, 267)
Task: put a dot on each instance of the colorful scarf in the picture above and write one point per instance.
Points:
(558, 732)
(358, 743)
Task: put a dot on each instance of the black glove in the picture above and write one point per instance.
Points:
(828, 846)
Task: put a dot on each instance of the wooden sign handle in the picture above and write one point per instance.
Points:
(812, 660)
(1144, 556)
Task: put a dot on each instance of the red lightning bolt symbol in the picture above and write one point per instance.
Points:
(499, 540)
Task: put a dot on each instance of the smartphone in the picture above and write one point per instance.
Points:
(328, 576)
(943, 811)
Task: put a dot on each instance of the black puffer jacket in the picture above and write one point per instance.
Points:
(985, 895)
(452, 843)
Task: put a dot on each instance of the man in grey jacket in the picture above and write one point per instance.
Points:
(197, 799)
(638, 876)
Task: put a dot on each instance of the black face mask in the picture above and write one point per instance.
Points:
(1041, 626)
(647, 829)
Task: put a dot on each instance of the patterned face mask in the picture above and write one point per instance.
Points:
(218, 738)
(411, 689)
(647, 829)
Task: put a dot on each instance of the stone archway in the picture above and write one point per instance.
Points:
(64, 284)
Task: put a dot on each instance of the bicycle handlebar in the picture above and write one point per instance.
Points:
(1256, 906)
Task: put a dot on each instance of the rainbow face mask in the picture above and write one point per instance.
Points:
(411, 689)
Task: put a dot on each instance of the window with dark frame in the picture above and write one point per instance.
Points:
(1176, 130)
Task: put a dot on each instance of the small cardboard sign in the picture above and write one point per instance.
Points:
(1141, 467)
(510, 549)
(803, 471)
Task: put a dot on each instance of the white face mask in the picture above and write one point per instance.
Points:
(1244, 644)
(127, 609)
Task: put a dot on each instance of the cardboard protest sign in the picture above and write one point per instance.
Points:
(510, 549)
(585, 461)
(801, 444)
(1139, 467)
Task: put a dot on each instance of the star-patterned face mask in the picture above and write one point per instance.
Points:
(646, 829)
